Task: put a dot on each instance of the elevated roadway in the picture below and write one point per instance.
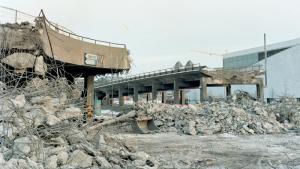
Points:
(178, 79)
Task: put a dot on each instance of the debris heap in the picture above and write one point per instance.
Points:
(42, 126)
(243, 116)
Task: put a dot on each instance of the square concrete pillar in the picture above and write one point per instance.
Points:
(260, 91)
(121, 97)
(135, 93)
(107, 98)
(176, 92)
(154, 92)
(89, 87)
(90, 94)
(228, 90)
(203, 90)
(163, 97)
(182, 97)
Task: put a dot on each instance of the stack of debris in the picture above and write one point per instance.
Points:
(21, 48)
(240, 117)
(42, 127)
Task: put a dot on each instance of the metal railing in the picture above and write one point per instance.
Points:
(70, 34)
(10, 15)
(169, 71)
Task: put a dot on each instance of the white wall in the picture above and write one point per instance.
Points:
(283, 73)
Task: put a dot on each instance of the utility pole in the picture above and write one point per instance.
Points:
(265, 53)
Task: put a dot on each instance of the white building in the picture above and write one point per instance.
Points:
(283, 66)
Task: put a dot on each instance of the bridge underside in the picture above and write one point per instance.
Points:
(178, 82)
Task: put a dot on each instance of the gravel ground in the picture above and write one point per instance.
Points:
(219, 151)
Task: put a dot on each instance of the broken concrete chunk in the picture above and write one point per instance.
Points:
(100, 141)
(139, 156)
(19, 101)
(139, 163)
(19, 61)
(75, 136)
(22, 145)
(72, 112)
(15, 164)
(52, 120)
(2, 161)
(51, 162)
(62, 158)
(102, 162)
(79, 159)
(191, 128)
(40, 67)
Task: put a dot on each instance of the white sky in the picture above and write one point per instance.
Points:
(161, 32)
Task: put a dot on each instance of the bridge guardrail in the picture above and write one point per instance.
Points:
(65, 32)
(11, 15)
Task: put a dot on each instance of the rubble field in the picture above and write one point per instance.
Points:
(43, 126)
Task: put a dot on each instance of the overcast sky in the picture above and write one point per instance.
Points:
(161, 32)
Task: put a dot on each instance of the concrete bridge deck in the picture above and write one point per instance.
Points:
(178, 79)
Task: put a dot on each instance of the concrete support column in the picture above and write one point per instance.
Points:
(182, 97)
(90, 94)
(163, 97)
(154, 92)
(260, 91)
(121, 97)
(107, 96)
(176, 92)
(228, 90)
(203, 90)
(135, 93)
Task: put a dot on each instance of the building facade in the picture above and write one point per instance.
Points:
(283, 66)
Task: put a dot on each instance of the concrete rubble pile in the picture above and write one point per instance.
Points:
(42, 127)
(24, 50)
(243, 116)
